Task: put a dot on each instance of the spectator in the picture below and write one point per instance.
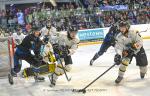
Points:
(28, 27)
(20, 17)
(84, 18)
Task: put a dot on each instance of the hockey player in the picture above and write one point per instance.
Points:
(49, 32)
(29, 50)
(18, 36)
(108, 41)
(67, 44)
(129, 43)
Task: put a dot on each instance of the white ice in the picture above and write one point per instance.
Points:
(82, 74)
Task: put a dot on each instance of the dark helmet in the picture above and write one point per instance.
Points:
(36, 29)
(124, 23)
(72, 29)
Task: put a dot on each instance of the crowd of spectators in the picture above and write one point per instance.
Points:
(83, 17)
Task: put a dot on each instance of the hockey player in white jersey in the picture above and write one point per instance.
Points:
(67, 43)
(129, 43)
(48, 32)
(18, 36)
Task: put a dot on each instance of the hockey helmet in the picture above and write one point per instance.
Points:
(124, 24)
(36, 29)
(72, 29)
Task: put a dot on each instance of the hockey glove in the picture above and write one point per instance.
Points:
(133, 46)
(117, 59)
(56, 48)
(46, 39)
(64, 51)
(128, 53)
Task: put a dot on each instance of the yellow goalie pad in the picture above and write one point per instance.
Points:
(52, 67)
(45, 69)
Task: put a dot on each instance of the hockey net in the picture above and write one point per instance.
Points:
(4, 58)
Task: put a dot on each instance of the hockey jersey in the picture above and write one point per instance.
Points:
(132, 38)
(18, 38)
(51, 33)
(72, 44)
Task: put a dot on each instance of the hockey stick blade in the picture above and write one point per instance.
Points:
(144, 30)
(79, 91)
(69, 79)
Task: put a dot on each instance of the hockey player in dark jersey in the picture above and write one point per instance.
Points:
(108, 41)
(29, 50)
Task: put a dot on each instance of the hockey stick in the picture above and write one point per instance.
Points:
(68, 79)
(84, 89)
(144, 30)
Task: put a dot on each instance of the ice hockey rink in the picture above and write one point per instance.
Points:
(82, 74)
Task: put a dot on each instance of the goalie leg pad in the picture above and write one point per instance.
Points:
(28, 72)
(52, 67)
(51, 57)
(48, 68)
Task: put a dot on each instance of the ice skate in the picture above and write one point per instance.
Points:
(52, 81)
(118, 80)
(91, 62)
(142, 75)
(13, 73)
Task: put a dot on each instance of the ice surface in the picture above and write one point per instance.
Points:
(82, 74)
